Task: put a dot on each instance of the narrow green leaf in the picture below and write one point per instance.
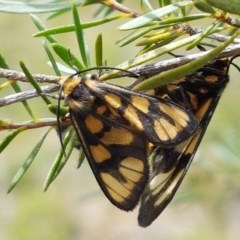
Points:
(133, 36)
(7, 140)
(202, 36)
(61, 158)
(3, 63)
(55, 30)
(82, 44)
(51, 59)
(70, 59)
(41, 27)
(71, 28)
(99, 51)
(68, 150)
(34, 82)
(179, 72)
(33, 7)
(81, 158)
(153, 15)
(203, 6)
(163, 35)
(57, 13)
(175, 20)
(162, 43)
(16, 88)
(27, 163)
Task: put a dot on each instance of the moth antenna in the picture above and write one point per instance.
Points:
(232, 63)
(135, 75)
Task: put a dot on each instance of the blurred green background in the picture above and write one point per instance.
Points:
(207, 205)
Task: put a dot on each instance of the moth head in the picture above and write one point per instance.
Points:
(69, 84)
(76, 92)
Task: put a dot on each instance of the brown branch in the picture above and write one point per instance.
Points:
(19, 97)
(45, 122)
(20, 76)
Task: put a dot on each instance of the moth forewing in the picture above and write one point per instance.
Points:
(116, 151)
(202, 90)
(163, 122)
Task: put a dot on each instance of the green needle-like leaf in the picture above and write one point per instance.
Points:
(71, 28)
(41, 27)
(82, 44)
(69, 58)
(61, 159)
(51, 59)
(34, 82)
(99, 51)
(5, 142)
(23, 169)
(16, 88)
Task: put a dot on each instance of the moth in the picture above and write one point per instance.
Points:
(115, 127)
(200, 94)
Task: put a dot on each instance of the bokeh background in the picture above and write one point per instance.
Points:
(207, 205)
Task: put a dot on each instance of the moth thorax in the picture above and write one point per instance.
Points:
(82, 95)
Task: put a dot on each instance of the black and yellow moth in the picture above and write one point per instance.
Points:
(115, 127)
(200, 93)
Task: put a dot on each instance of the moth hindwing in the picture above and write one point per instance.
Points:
(115, 125)
(199, 92)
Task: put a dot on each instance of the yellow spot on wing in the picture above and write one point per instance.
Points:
(101, 109)
(134, 163)
(131, 115)
(130, 174)
(178, 114)
(181, 116)
(113, 100)
(132, 169)
(212, 78)
(116, 189)
(160, 131)
(117, 136)
(93, 124)
(164, 129)
(141, 103)
(99, 153)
